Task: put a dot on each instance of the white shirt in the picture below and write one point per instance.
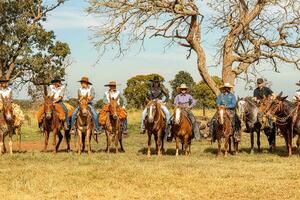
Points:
(297, 94)
(112, 94)
(56, 92)
(6, 92)
(86, 91)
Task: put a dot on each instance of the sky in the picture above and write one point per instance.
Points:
(72, 25)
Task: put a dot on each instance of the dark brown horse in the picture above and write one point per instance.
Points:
(287, 118)
(113, 126)
(182, 130)
(155, 125)
(52, 123)
(224, 130)
(84, 125)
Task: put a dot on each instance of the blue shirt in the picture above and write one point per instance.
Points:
(226, 99)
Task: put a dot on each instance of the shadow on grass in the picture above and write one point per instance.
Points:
(168, 152)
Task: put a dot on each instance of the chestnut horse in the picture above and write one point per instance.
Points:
(113, 126)
(52, 123)
(287, 119)
(84, 125)
(182, 130)
(155, 125)
(224, 130)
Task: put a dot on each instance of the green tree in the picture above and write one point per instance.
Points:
(137, 89)
(28, 52)
(180, 78)
(204, 95)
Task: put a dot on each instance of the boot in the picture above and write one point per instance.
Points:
(41, 127)
(143, 130)
(66, 127)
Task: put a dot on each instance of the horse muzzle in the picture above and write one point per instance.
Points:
(115, 116)
(48, 115)
(8, 117)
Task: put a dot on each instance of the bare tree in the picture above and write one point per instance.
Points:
(251, 31)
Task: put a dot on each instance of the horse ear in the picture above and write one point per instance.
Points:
(280, 94)
(284, 98)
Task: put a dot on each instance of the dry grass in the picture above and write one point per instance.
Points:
(131, 175)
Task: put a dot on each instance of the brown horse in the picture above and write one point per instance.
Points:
(182, 130)
(113, 126)
(52, 123)
(287, 118)
(155, 125)
(224, 130)
(84, 125)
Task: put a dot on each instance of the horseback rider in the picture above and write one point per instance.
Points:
(227, 99)
(297, 94)
(157, 92)
(186, 101)
(5, 89)
(261, 91)
(114, 93)
(86, 90)
(56, 91)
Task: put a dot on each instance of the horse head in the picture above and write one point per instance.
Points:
(7, 108)
(241, 105)
(177, 115)
(84, 105)
(113, 107)
(221, 114)
(276, 105)
(48, 106)
(151, 111)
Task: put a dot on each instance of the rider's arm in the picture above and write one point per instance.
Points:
(176, 100)
(192, 102)
(166, 93)
(219, 100)
(105, 100)
(61, 95)
(123, 100)
(91, 94)
(232, 103)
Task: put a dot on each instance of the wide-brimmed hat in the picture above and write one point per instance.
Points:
(298, 83)
(3, 79)
(260, 81)
(226, 85)
(57, 79)
(111, 83)
(85, 79)
(156, 79)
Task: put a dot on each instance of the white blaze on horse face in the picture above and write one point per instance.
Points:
(221, 113)
(151, 113)
(177, 116)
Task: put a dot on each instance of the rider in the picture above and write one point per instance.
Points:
(157, 92)
(56, 91)
(297, 94)
(86, 90)
(261, 91)
(227, 99)
(5, 90)
(114, 93)
(188, 102)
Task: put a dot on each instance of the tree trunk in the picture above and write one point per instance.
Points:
(203, 111)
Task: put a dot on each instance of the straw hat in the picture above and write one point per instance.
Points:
(226, 85)
(85, 79)
(182, 87)
(111, 83)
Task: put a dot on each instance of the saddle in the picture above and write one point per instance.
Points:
(186, 114)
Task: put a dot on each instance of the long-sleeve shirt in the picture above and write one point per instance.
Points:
(185, 100)
(226, 99)
(259, 93)
(114, 94)
(6, 92)
(160, 93)
(56, 92)
(89, 91)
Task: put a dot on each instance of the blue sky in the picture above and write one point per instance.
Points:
(71, 24)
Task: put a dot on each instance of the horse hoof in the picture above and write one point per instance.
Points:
(251, 151)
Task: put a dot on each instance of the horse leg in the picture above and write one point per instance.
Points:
(186, 146)
(46, 133)
(121, 144)
(177, 145)
(289, 143)
(68, 139)
(60, 138)
(252, 141)
(229, 142)
(226, 144)
(117, 140)
(10, 143)
(158, 144)
(236, 145)
(89, 137)
(18, 134)
(79, 134)
(149, 144)
(1, 143)
(54, 139)
(108, 140)
(258, 141)
(219, 147)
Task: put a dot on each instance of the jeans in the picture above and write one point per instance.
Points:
(165, 111)
(195, 125)
(66, 112)
(94, 115)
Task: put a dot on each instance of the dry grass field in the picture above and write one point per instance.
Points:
(131, 175)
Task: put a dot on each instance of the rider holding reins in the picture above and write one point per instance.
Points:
(228, 99)
(86, 90)
(186, 101)
(261, 91)
(160, 93)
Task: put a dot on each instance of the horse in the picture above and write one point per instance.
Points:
(84, 125)
(113, 126)
(155, 125)
(248, 112)
(224, 130)
(52, 123)
(182, 130)
(287, 118)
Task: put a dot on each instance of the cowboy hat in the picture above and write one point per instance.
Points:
(111, 83)
(298, 83)
(155, 79)
(57, 79)
(3, 79)
(226, 85)
(183, 86)
(85, 79)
